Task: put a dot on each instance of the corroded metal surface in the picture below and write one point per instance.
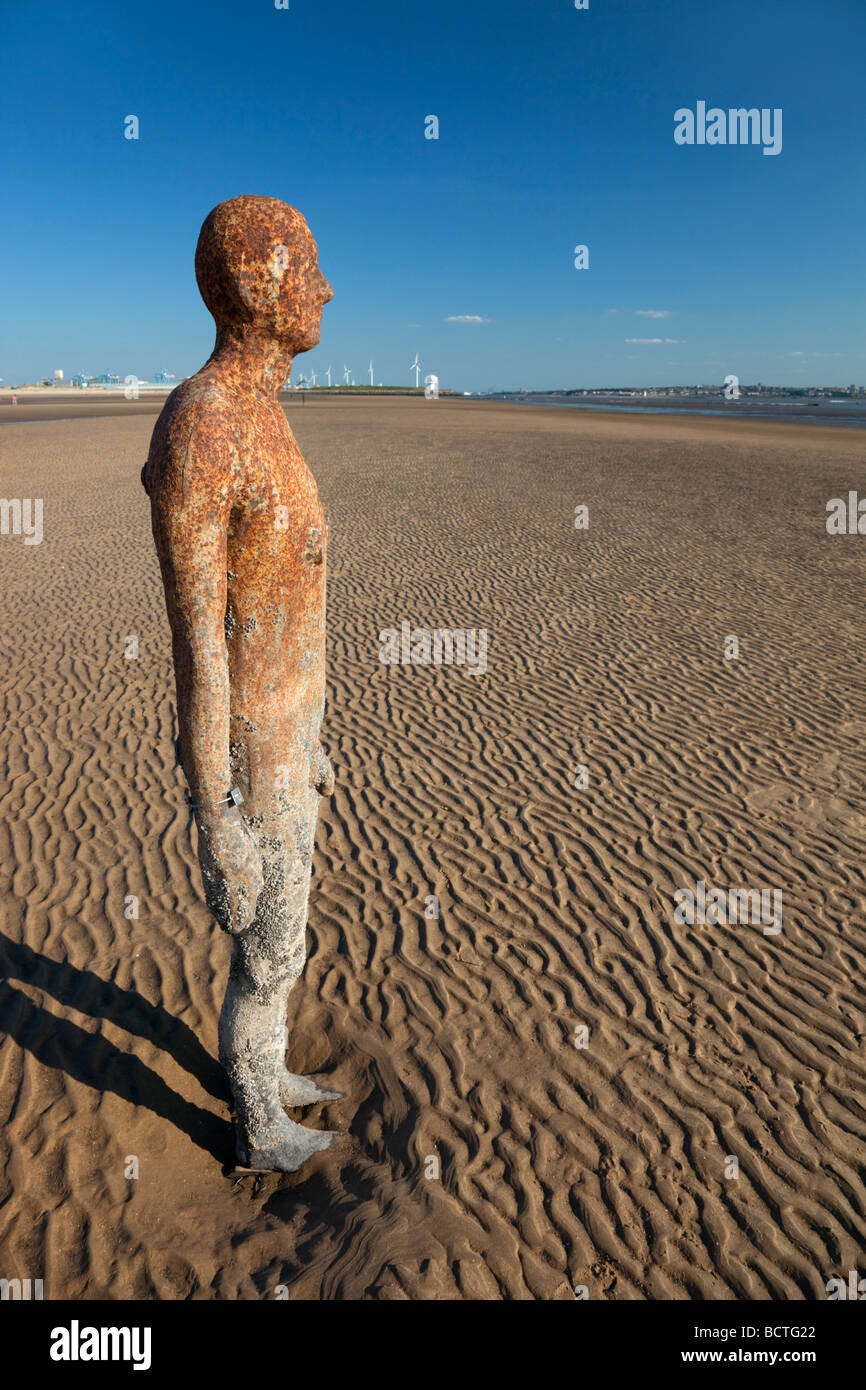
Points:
(242, 541)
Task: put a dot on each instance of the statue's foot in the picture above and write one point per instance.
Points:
(303, 1090)
(285, 1148)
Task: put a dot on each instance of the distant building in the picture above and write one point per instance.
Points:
(107, 379)
(164, 378)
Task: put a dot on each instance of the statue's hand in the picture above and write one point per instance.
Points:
(322, 774)
(231, 867)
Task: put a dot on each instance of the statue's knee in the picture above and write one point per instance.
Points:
(273, 963)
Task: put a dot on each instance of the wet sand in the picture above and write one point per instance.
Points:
(606, 1166)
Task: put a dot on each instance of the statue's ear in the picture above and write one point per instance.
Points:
(254, 285)
(246, 292)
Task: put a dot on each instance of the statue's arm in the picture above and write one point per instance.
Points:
(190, 509)
(191, 542)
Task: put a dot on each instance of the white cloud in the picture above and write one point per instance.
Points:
(654, 313)
(652, 340)
(466, 318)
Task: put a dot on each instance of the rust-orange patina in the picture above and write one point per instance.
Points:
(242, 539)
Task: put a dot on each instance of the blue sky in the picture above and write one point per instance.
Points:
(556, 129)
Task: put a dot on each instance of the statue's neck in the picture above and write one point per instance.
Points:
(251, 358)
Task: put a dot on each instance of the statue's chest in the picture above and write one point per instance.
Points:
(276, 494)
(277, 539)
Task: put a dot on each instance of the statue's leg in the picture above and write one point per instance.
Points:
(266, 961)
(298, 1090)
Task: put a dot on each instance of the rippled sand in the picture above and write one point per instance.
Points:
(602, 1166)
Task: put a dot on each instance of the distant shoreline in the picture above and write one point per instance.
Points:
(851, 413)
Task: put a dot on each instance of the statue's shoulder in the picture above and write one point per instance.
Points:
(194, 440)
(199, 403)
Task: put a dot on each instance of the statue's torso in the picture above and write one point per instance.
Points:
(268, 502)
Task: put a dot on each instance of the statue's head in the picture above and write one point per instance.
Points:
(257, 263)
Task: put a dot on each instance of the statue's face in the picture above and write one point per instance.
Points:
(299, 290)
(257, 262)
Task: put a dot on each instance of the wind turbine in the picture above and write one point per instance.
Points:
(371, 371)
(312, 378)
(345, 374)
(416, 368)
(328, 374)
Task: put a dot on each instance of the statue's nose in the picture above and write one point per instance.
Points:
(327, 292)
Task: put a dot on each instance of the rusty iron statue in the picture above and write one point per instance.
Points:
(241, 538)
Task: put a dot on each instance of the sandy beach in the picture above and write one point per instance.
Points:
(545, 1084)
